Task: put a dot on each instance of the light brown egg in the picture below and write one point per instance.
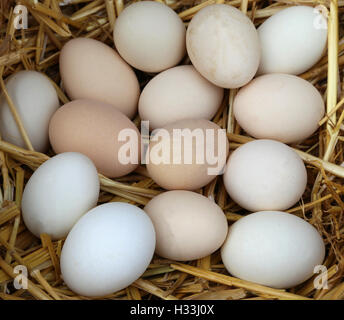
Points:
(187, 154)
(178, 93)
(92, 70)
(223, 45)
(188, 226)
(150, 36)
(281, 107)
(99, 131)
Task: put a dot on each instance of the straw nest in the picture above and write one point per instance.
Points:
(38, 48)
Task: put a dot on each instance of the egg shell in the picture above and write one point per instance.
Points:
(292, 47)
(150, 36)
(108, 249)
(58, 193)
(36, 100)
(95, 129)
(223, 45)
(172, 168)
(188, 225)
(265, 175)
(91, 69)
(275, 249)
(280, 107)
(176, 94)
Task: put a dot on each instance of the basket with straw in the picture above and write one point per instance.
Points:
(51, 24)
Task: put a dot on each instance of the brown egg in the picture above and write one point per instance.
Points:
(92, 70)
(99, 131)
(188, 225)
(280, 107)
(187, 154)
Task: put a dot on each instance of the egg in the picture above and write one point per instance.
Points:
(108, 249)
(292, 47)
(271, 248)
(58, 193)
(188, 225)
(280, 107)
(36, 100)
(187, 154)
(92, 70)
(265, 175)
(176, 94)
(99, 131)
(150, 36)
(223, 45)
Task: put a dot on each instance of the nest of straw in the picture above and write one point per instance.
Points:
(54, 22)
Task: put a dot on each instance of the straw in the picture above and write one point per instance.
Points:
(231, 281)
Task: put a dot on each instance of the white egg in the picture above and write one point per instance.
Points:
(176, 94)
(265, 175)
(273, 248)
(292, 40)
(58, 193)
(109, 248)
(36, 101)
(223, 45)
